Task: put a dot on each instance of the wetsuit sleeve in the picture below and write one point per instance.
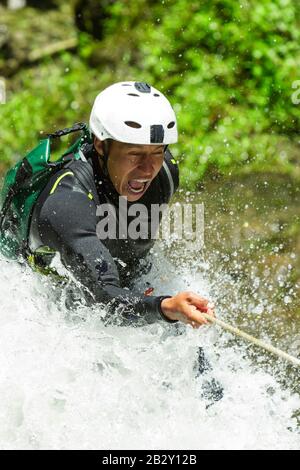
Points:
(67, 222)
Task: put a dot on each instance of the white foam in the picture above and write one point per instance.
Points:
(67, 384)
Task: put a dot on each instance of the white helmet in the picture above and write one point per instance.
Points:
(133, 112)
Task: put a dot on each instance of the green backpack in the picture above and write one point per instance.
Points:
(24, 183)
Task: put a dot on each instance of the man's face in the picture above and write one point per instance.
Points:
(132, 167)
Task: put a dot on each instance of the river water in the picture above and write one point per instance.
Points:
(68, 381)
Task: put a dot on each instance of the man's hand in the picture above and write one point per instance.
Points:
(187, 307)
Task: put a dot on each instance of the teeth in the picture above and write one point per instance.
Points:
(136, 190)
(142, 181)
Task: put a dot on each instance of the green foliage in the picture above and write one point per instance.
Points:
(57, 99)
(227, 67)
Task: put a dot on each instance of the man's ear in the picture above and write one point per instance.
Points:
(98, 144)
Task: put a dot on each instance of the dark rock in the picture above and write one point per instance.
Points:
(90, 16)
(43, 5)
(211, 390)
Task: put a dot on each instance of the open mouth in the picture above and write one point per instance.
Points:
(138, 186)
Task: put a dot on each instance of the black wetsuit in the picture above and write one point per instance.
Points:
(65, 220)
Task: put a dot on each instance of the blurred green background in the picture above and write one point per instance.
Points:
(227, 66)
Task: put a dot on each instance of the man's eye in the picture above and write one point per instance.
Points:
(156, 155)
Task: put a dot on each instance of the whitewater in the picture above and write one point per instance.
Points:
(69, 381)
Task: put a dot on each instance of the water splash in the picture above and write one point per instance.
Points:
(77, 384)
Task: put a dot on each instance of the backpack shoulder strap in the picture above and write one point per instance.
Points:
(169, 176)
(83, 172)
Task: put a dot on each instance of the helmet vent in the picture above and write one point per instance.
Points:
(171, 125)
(155, 94)
(142, 87)
(126, 84)
(133, 124)
(133, 94)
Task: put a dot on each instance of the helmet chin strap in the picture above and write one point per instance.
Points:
(104, 158)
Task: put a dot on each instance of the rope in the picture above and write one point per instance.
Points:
(258, 342)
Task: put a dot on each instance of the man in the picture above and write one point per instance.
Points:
(132, 124)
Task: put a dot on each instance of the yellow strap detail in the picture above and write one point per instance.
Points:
(31, 261)
(90, 196)
(59, 179)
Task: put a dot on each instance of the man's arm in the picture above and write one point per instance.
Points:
(67, 223)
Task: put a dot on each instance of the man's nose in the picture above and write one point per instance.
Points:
(146, 164)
